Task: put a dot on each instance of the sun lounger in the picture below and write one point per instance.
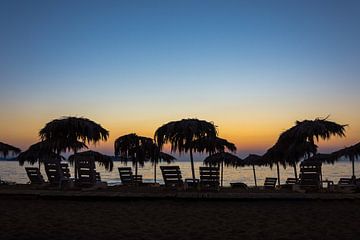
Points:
(310, 176)
(209, 178)
(87, 176)
(289, 183)
(172, 176)
(34, 175)
(239, 185)
(270, 183)
(57, 173)
(346, 185)
(127, 177)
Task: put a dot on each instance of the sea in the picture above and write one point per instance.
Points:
(12, 172)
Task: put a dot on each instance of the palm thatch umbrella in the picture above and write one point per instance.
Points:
(181, 135)
(40, 152)
(254, 160)
(64, 133)
(103, 160)
(352, 152)
(222, 158)
(5, 149)
(131, 147)
(213, 145)
(299, 141)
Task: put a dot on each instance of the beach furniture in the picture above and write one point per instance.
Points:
(310, 177)
(57, 173)
(127, 177)
(209, 178)
(239, 185)
(289, 183)
(172, 176)
(87, 175)
(347, 185)
(270, 183)
(34, 175)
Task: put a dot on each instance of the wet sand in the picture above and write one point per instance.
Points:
(178, 219)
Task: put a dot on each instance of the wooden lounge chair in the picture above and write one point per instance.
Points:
(209, 178)
(172, 176)
(86, 174)
(270, 183)
(127, 177)
(289, 183)
(347, 185)
(310, 178)
(57, 173)
(34, 175)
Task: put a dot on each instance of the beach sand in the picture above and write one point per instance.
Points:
(178, 219)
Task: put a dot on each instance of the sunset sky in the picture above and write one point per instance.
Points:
(251, 67)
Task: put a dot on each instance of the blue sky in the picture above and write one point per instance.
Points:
(122, 61)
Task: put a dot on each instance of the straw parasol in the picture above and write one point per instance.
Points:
(222, 158)
(5, 149)
(40, 152)
(103, 160)
(131, 147)
(352, 152)
(181, 135)
(65, 133)
(254, 160)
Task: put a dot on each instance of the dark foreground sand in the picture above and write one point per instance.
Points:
(178, 219)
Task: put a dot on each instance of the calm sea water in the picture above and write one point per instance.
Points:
(11, 171)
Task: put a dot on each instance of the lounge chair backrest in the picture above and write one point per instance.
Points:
(209, 177)
(65, 170)
(34, 175)
(270, 183)
(126, 175)
(346, 181)
(86, 172)
(291, 181)
(310, 175)
(54, 172)
(172, 176)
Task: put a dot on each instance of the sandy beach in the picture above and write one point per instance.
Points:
(29, 218)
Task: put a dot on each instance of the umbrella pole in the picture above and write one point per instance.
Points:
(222, 173)
(155, 172)
(192, 165)
(295, 171)
(353, 168)
(278, 173)
(136, 168)
(254, 175)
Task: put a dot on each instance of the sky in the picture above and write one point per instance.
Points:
(251, 67)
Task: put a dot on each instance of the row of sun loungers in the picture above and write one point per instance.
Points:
(310, 178)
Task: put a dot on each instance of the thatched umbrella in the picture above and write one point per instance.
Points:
(352, 152)
(181, 135)
(299, 141)
(64, 133)
(103, 160)
(5, 149)
(40, 152)
(222, 158)
(213, 145)
(254, 160)
(131, 147)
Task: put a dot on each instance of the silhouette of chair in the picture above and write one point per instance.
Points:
(57, 173)
(86, 174)
(270, 183)
(34, 175)
(172, 176)
(310, 175)
(127, 177)
(209, 178)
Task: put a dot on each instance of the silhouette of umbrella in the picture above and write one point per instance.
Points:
(131, 147)
(181, 135)
(352, 152)
(213, 145)
(222, 158)
(40, 152)
(64, 133)
(6, 148)
(254, 160)
(103, 160)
